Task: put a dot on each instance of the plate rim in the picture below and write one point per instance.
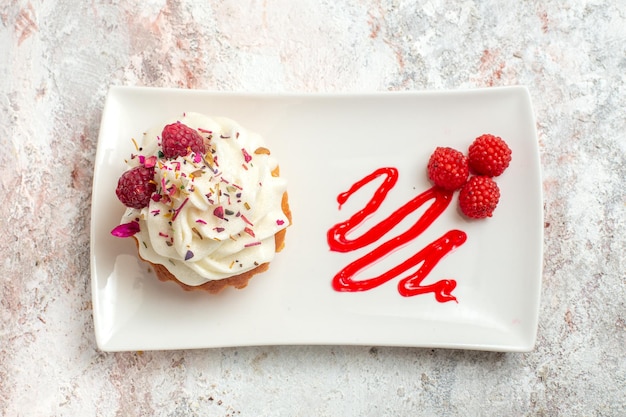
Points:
(114, 94)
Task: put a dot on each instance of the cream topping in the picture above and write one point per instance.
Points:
(213, 215)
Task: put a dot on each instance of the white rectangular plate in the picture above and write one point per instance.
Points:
(325, 143)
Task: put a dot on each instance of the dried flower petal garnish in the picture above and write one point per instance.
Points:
(150, 162)
(262, 151)
(246, 220)
(126, 229)
(219, 212)
(180, 208)
(246, 155)
(193, 229)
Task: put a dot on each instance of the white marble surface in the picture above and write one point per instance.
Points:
(58, 60)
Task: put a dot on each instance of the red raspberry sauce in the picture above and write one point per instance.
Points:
(429, 256)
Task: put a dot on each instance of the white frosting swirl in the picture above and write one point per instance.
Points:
(214, 215)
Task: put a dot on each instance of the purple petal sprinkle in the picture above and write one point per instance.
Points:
(126, 229)
(188, 255)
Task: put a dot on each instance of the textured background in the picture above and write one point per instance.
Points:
(58, 60)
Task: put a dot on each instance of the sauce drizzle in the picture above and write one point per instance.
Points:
(428, 257)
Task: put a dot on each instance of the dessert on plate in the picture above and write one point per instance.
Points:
(205, 202)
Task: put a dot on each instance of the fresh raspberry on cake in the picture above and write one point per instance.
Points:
(178, 139)
(489, 155)
(135, 187)
(448, 168)
(479, 197)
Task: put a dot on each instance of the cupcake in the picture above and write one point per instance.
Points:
(204, 202)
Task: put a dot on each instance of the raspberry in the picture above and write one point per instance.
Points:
(448, 168)
(489, 155)
(479, 197)
(135, 187)
(178, 139)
